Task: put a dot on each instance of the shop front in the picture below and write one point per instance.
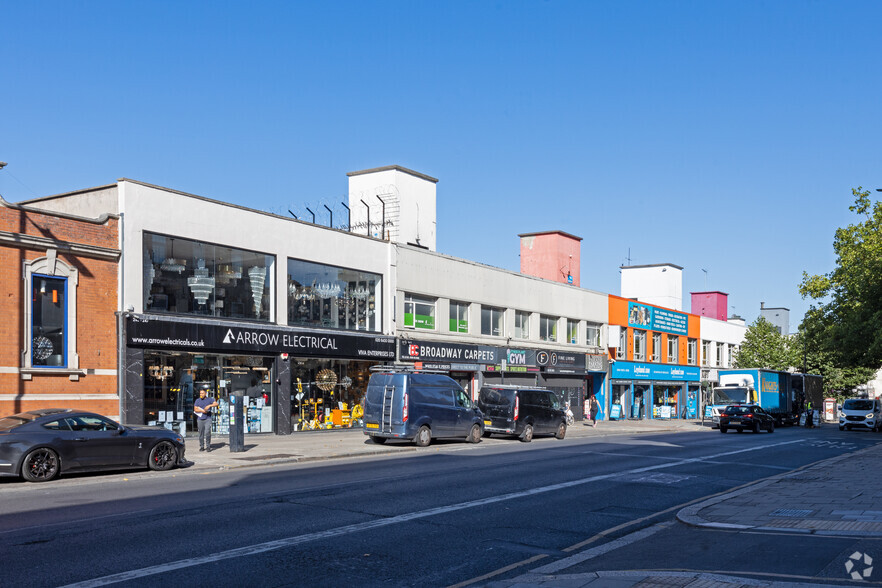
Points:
(290, 379)
(574, 376)
(644, 390)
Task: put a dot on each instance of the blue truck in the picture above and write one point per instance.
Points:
(772, 390)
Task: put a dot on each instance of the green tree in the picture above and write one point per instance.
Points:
(846, 326)
(763, 347)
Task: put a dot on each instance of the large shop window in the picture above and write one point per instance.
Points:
(172, 381)
(459, 317)
(419, 313)
(547, 328)
(332, 297)
(522, 324)
(328, 393)
(50, 314)
(639, 345)
(191, 277)
(491, 320)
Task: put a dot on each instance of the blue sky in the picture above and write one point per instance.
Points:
(718, 136)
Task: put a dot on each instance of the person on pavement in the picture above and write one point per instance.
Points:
(203, 407)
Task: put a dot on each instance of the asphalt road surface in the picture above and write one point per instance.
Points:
(450, 514)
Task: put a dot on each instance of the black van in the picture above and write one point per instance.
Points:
(403, 404)
(523, 412)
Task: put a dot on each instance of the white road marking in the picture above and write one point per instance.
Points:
(375, 524)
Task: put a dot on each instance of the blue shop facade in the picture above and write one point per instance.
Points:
(653, 391)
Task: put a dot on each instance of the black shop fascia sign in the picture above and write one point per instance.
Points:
(206, 336)
(433, 351)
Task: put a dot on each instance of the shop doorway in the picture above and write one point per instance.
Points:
(638, 406)
(619, 401)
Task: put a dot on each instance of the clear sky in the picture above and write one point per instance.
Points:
(718, 136)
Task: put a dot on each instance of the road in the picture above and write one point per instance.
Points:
(446, 515)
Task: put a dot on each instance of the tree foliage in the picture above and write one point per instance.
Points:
(846, 325)
(763, 347)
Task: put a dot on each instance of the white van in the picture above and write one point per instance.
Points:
(861, 413)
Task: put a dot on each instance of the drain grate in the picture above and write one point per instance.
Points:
(260, 457)
(792, 512)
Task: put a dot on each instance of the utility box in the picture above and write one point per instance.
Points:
(237, 423)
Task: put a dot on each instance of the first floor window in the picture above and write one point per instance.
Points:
(522, 324)
(720, 354)
(639, 345)
(547, 328)
(592, 335)
(419, 313)
(656, 347)
(705, 352)
(572, 331)
(621, 350)
(48, 320)
(691, 351)
(459, 317)
(491, 321)
(673, 344)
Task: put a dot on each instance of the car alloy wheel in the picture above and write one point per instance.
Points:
(162, 457)
(40, 465)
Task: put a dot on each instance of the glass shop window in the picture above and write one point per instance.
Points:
(332, 297)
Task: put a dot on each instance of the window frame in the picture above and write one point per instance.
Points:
(655, 356)
(51, 267)
(705, 352)
(461, 324)
(544, 321)
(673, 354)
(622, 349)
(522, 331)
(414, 299)
(595, 340)
(572, 332)
(495, 318)
(691, 351)
(639, 345)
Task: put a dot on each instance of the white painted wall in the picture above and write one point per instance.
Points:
(661, 285)
(410, 205)
(433, 274)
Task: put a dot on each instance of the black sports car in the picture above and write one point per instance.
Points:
(40, 444)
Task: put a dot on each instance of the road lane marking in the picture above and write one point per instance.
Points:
(260, 548)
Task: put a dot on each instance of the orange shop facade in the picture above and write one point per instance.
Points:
(654, 372)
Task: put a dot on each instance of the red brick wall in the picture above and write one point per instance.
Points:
(96, 322)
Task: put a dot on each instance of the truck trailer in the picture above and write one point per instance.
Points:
(772, 390)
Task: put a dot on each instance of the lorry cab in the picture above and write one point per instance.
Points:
(401, 403)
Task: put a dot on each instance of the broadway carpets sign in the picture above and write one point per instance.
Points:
(448, 352)
(155, 333)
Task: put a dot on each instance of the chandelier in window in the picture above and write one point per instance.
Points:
(170, 264)
(201, 284)
(360, 293)
(257, 275)
(227, 274)
(327, 290)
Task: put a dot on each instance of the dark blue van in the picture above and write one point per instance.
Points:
(419, 407)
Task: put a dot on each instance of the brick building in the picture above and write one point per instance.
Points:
(58, 337)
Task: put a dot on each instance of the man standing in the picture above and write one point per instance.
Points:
(202, 407)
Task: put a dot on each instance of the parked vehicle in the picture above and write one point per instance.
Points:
(41, 444)
(860, 413)
(769, 389)
(522, 412)
(746, 417)
(401, 403)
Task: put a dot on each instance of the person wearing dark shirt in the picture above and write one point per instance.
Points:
(202, 407)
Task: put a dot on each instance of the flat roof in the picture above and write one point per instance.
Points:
(564, 233)
(650, 265)
(393, 168)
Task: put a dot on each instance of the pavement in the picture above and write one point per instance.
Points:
(825, 493)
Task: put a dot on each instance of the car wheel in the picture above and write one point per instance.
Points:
(723, 429)
(40, 465)
(423, 436)
(378, 440)
(561, 431)
(163, 456)
(527, 435)
(772, 427)
(474, 434)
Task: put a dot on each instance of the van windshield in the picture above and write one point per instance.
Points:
(496, 396)
(857, 404)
